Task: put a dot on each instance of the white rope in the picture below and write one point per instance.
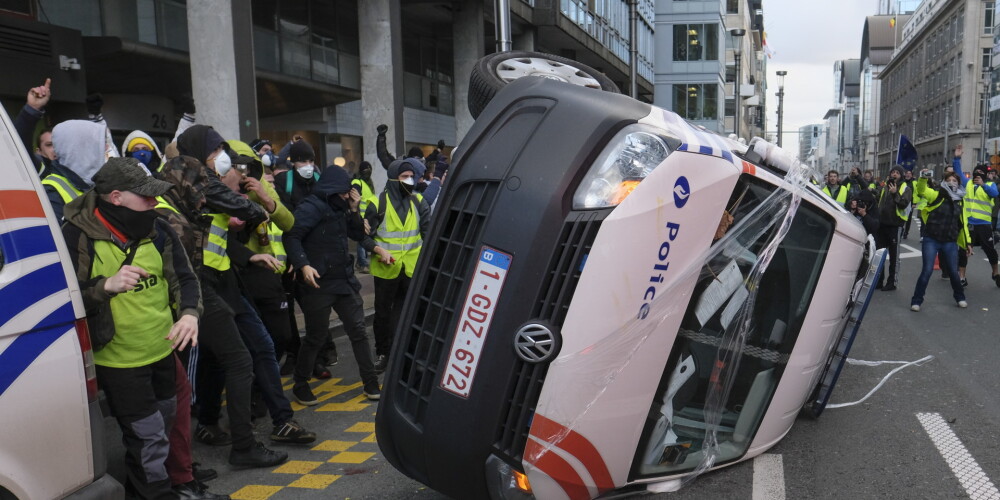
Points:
(884, 379)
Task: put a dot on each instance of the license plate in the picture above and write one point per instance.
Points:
(474, 321)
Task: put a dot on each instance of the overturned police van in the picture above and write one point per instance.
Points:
(612, 301)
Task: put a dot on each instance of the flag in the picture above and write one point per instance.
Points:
(767, 48)
(892, 22)
(906, 155)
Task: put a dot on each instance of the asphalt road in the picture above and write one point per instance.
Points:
(876, 449)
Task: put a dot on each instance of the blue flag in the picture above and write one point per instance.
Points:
(906, 155)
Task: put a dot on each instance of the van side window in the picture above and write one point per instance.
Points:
(674, 434)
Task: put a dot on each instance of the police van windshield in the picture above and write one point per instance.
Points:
(674, 431)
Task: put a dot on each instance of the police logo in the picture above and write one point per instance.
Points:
(682, 191)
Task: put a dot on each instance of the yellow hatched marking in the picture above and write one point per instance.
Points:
(255, 492)
(362, 427)
(369, 439)
(351, 457)
(297, 467)
(314, 481)
(354, 404)
(334, 446)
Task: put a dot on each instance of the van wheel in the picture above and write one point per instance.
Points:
(495, 70)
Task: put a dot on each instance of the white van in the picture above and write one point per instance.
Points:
(53, 443)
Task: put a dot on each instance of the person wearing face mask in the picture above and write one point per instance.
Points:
(263, 149)
(132, 267)
(363, 184)
(399, 220)
(239, 345)
(318, 247)
(946, 235)
(142, 147)
(894, 205)
(296, 184)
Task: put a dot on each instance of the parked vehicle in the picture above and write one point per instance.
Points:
(53, 443)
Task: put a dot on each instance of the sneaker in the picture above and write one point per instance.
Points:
(372, 391)
(196, 491)
(213, 435)
(321, 372)
(365, 270)
(944, 275)
(963, 304)
(996, 279)
(288, 367)
(888, 288)
(292, 432)
(381, 361)
(965, 282)
(257, 456)
(332, 360)
(304, 395)
(915, 307)
(202, 475)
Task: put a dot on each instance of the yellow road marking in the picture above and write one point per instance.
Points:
(314, 481)
(351, 457)
(362, 427)
(297, 467)
(354, 404)
(334, 446)
(255, 492)
(369, 439)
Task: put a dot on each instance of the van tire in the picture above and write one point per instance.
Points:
(485, 80)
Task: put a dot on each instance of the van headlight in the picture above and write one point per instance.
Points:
(628, 159)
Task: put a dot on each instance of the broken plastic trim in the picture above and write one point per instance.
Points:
(631, 337)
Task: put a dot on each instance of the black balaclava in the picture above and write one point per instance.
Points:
(132, 223)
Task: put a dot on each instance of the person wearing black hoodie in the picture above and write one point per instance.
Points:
(317, 246)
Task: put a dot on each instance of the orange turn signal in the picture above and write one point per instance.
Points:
(521, 480)
(624, 189)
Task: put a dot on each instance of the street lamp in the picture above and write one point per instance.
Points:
(781, 101)
(737, 52)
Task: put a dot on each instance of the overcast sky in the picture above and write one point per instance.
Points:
(807, 36)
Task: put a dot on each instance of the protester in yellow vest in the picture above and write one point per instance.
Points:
(398, 221)
(80, 151)
(834, 190)
(362, 183)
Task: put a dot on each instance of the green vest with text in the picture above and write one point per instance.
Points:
(63, 186)
(142, 316)
(401, 238)
(214, 252)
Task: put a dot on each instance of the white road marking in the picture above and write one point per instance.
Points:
(965, 468)
(768, 478)
(912, 252)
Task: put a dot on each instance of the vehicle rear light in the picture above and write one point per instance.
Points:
(83, 335)
(521, 481)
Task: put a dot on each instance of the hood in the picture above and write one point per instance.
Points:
(198, 142)
(140, 136)
(245, 154)
(333, 180)
(80, 147)
(190, 178)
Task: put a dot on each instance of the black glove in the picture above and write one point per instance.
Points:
(186, 103)
(382, 129)
(441, 144)
(94, 104)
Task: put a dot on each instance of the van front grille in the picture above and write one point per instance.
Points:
(443, 282)
(575, 242)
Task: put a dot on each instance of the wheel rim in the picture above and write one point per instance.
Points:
(512, 69)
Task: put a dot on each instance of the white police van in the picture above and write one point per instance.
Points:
(52, 444)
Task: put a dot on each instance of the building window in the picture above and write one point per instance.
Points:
(732, 6)
(988, 18)
(697, 101)
(696, 42)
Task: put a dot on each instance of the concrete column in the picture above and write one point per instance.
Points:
(381, 50)
(525, 40)
(214, 76)
(469, 48)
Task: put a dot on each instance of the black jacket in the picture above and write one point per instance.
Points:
(301, 188)
(319, 236)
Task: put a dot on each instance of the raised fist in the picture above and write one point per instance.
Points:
(381, 129)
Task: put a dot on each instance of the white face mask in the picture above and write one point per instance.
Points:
(408, 181)
(223, 163)
(306, 171)
(267, 159)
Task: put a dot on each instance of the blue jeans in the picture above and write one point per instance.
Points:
(362, 256)
(265, 364)
(948, 252)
